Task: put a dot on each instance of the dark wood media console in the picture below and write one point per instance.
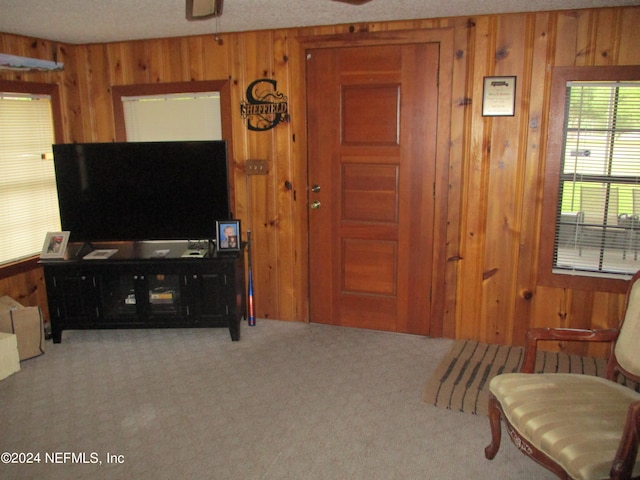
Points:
(135, 288)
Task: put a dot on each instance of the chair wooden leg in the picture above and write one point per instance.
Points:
(496, 430)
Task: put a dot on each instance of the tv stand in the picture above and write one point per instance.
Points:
(134, 288)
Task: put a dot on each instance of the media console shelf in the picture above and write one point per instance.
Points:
(134, 288)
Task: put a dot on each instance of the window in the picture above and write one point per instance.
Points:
(594, 168)
(28, 197)
(134, 125)
(177, 116)
(220, 129)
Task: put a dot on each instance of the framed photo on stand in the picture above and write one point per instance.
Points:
(55, 245)
(228, 238)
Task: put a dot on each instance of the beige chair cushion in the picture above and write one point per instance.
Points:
(577, 420)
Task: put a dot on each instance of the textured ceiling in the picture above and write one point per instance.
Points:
(92, 21)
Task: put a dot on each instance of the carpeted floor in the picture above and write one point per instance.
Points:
(461, 380)
(288, 401)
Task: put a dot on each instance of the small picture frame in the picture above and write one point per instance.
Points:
(55, 245)
(499, 97)
(228, 238)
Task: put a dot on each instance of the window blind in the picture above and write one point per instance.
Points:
(180, 116)
(28, 196)
(597, 224)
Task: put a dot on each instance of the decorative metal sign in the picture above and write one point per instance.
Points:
(264, 107)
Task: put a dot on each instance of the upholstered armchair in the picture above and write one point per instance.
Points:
(578, 426)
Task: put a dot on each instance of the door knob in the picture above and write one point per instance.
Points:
(315, 205)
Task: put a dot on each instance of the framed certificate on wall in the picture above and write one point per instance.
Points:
(499, 97)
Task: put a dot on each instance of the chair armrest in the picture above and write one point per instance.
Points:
(625, 459)
(562, 334)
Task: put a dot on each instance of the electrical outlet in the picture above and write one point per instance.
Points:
(256, 167)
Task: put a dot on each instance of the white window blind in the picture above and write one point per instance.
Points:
(598, 226)
(180, 116)
(28, 196)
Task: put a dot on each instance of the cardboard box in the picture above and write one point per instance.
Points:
(26, 323)
(9, 359)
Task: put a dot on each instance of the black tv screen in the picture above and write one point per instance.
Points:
(134, 191)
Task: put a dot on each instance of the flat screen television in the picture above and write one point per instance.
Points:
(135, 191)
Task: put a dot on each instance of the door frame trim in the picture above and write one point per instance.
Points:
(445, 38)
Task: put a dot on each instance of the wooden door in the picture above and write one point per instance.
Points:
(372, 115)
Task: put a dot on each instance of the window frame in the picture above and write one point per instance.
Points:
(222, 86)
(142, 89)
(555, 141)
(10, 269)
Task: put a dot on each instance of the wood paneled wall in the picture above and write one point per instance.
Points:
(495, 170)
(26, 286)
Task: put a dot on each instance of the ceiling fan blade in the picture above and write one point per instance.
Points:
(353, 2)
(203, 9)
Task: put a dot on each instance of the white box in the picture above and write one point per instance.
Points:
(9, 358)
(26, 323)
